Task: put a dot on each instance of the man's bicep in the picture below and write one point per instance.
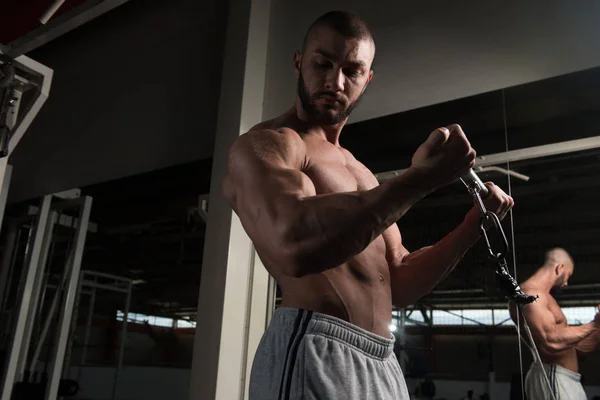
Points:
(265, 182)
(539, 319)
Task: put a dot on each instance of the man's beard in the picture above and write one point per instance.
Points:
(560, 281)
(323, 117)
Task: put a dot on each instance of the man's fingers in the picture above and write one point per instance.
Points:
(458, 140)
(437, 138)
(498, 201)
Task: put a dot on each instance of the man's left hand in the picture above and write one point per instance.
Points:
(497, 201)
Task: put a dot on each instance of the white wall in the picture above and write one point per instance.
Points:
(135, 90)
(433, 51)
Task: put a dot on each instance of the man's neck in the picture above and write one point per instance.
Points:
(331, 133)
(543, 279)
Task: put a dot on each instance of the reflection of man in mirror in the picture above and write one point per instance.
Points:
(326, 229)
(557, 343)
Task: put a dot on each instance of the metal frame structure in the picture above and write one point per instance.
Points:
(8, 261)
(30, 295)
(95, 281)
(13, 370)
(32, 77)
(72, 277)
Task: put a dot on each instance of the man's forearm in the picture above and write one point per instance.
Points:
(325, 231)
(420, 271)
(568, 337)
(589, 344)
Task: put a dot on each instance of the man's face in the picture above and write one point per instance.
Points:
(563, 278)
(333, 74)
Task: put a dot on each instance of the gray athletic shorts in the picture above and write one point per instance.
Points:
(563, 383)
(308, 355)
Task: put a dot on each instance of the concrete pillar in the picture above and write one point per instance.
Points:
(232, 306)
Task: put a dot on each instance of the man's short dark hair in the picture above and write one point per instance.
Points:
(346, 23)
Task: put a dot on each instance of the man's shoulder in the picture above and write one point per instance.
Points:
(266, 129)
(270, 127)
(264, 137)
(544, 298)
(281, 144)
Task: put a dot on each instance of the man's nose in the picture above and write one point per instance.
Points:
(335, 80)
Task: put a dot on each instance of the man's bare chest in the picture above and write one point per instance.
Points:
(333, 169)
(559, 316)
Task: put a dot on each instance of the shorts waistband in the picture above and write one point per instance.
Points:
(325, 325)
(557, 369)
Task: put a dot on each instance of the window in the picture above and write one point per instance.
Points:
(574, 315)
(142, 318)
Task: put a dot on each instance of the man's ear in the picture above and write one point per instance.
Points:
(297, 63)
(559, 268)
(371, 73)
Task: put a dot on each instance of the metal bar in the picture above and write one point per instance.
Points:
(527, 153)
(271, 300)
(42, 94)
(71, 332)
(5, 168)
(8, 269)
(105, 275)
(46, 328)
(88, 325)
(35, 293)
(69, 194)
(61, 25)
(68, 301)
(20, 283)
(51, 11)
(402, 340)
(91, 284)
(37, 71)
(6, 175)
(12, 116)
(121, 343)
(501, 322)
(426, 317)
(7, 260)
(40, 311)
(12, 363)
(417, 322)
(66, 220)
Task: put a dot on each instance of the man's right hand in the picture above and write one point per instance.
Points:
(445, 156)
